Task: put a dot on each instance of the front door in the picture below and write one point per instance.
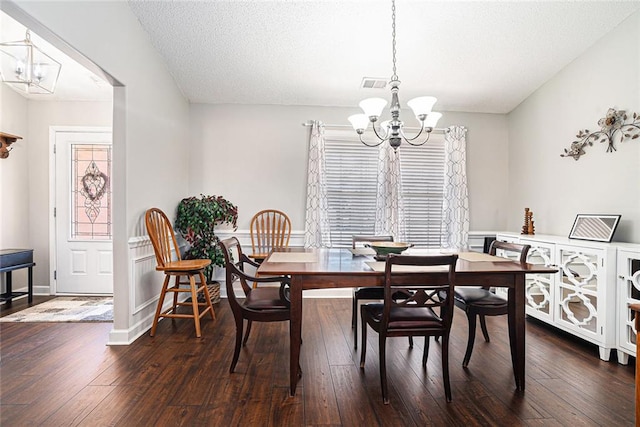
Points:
(84, 254)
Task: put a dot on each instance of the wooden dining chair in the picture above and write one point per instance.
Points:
(368, 293)
(260, 304)
(483, 301)
(426, 310)
(270, 229)
(170, 262)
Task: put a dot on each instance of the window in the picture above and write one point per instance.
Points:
(351, 170)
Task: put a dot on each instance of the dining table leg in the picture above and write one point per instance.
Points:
(295, 330)
(517, 331)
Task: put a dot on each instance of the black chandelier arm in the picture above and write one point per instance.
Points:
(372, 144)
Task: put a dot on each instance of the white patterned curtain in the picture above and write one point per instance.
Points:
(316, 229)
(455, 205)
(390, 217)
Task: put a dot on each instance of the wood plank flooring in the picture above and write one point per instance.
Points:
(55, 374)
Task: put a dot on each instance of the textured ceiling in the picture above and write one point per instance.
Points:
(476, 56)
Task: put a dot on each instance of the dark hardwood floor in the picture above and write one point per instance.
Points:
(64, 374)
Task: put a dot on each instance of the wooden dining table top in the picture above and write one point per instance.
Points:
(322, 261)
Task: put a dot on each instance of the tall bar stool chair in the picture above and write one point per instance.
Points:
(164, 244)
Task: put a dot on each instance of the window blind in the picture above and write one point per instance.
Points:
(351, 170)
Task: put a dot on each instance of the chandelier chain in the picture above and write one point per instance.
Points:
(393, 38)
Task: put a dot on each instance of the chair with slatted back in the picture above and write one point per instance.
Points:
(270, 229)
(482, 301)
(165, 246)
(426, 310)
(260, 304)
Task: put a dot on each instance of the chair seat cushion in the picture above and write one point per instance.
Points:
(265, 298)
(479, 296)
(405, 317)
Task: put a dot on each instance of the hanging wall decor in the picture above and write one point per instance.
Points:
(613, 127)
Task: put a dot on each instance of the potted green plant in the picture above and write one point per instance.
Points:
(196, 220)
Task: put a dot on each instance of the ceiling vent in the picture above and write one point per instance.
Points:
(373, 83)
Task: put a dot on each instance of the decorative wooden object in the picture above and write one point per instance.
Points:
(6, 139)
(528, 227)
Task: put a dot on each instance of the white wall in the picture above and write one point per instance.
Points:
(256, 157)
(14, 179)
(151, 134)
(14, 172)
(556, 188)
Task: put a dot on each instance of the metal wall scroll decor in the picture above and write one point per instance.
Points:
(613, 127)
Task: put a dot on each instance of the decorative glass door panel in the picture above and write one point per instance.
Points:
(578, 291)
(91, 192)
(628, 293)
(539, 287)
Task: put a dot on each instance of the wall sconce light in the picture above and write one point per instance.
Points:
(610, 125)
(6, 140)
(27, 68)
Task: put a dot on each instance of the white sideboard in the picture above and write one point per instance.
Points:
(628, 278)
(589, 295)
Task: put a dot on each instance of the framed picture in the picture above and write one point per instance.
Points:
(599, 228)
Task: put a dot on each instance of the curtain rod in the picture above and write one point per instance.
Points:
(310, 123)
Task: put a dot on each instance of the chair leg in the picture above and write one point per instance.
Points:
(483, 326)
(472, 338)
(425, 353)
(410, 342)
(194, 305)
(174, 307)
(163, 292)
(246, 335)
(363, 350)
(382, 341)
(354, 324)
(236, 350)
(354, 312)
(445, 367)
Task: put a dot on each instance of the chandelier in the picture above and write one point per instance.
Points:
(27, 68)
(392, 130)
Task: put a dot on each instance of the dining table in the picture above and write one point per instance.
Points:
(328, 268)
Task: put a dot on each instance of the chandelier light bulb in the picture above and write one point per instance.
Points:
(38, 72)
(373, 107)
(19, 68)
(359, 122)
(421, 106)
(432, 120)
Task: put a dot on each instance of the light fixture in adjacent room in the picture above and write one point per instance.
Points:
(27, 68)
(392, 130)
